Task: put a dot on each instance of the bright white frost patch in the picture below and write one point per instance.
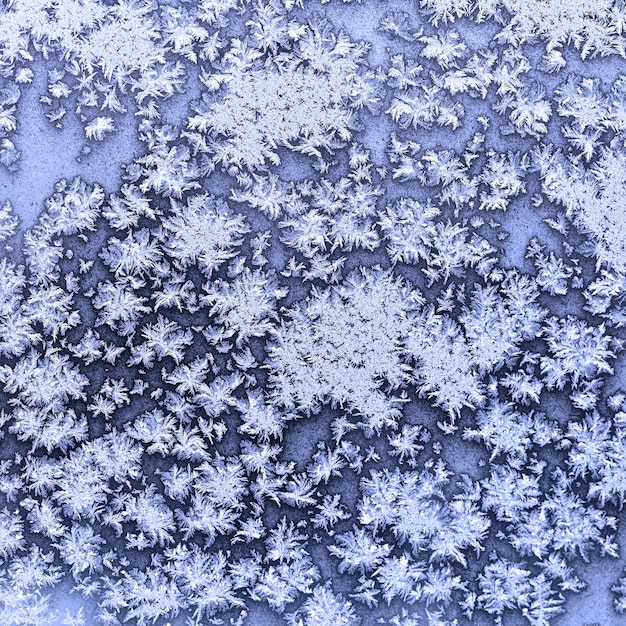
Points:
(126, 42)
(8, 221)
(592, 26)
(244, 306)
(270, 108)
(445, 365)
(343, 346)
(118, 39)
(304, 100)
(53, 21)
(557, 18)
(594, 200)
(203, 231)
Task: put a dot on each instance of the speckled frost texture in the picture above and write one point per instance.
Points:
(312, 312)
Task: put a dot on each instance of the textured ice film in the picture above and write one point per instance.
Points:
(312, 312)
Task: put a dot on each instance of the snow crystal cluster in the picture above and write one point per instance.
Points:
(344, 346)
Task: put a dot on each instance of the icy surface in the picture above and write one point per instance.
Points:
(312, 313)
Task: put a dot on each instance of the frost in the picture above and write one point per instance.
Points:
(560, 21)
(410, 230)
(81, 550)
(306, 103)
(592, 27)
(344, 346)
(413, 506)
(347, 349)
(445, 11)
(324, 608)
(578, 351)
(74, 207)
(444, 366)
(425, 105)
(120, 307)
(445, 47)
(246, 306)
(591, 199)
(46, 380)
(553, 273)
(504, 176)
(203, 231)
(597, 450)
(98, 128)
(8, 221)
(359, 551)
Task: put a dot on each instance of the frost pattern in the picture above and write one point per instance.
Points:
(344, 347)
